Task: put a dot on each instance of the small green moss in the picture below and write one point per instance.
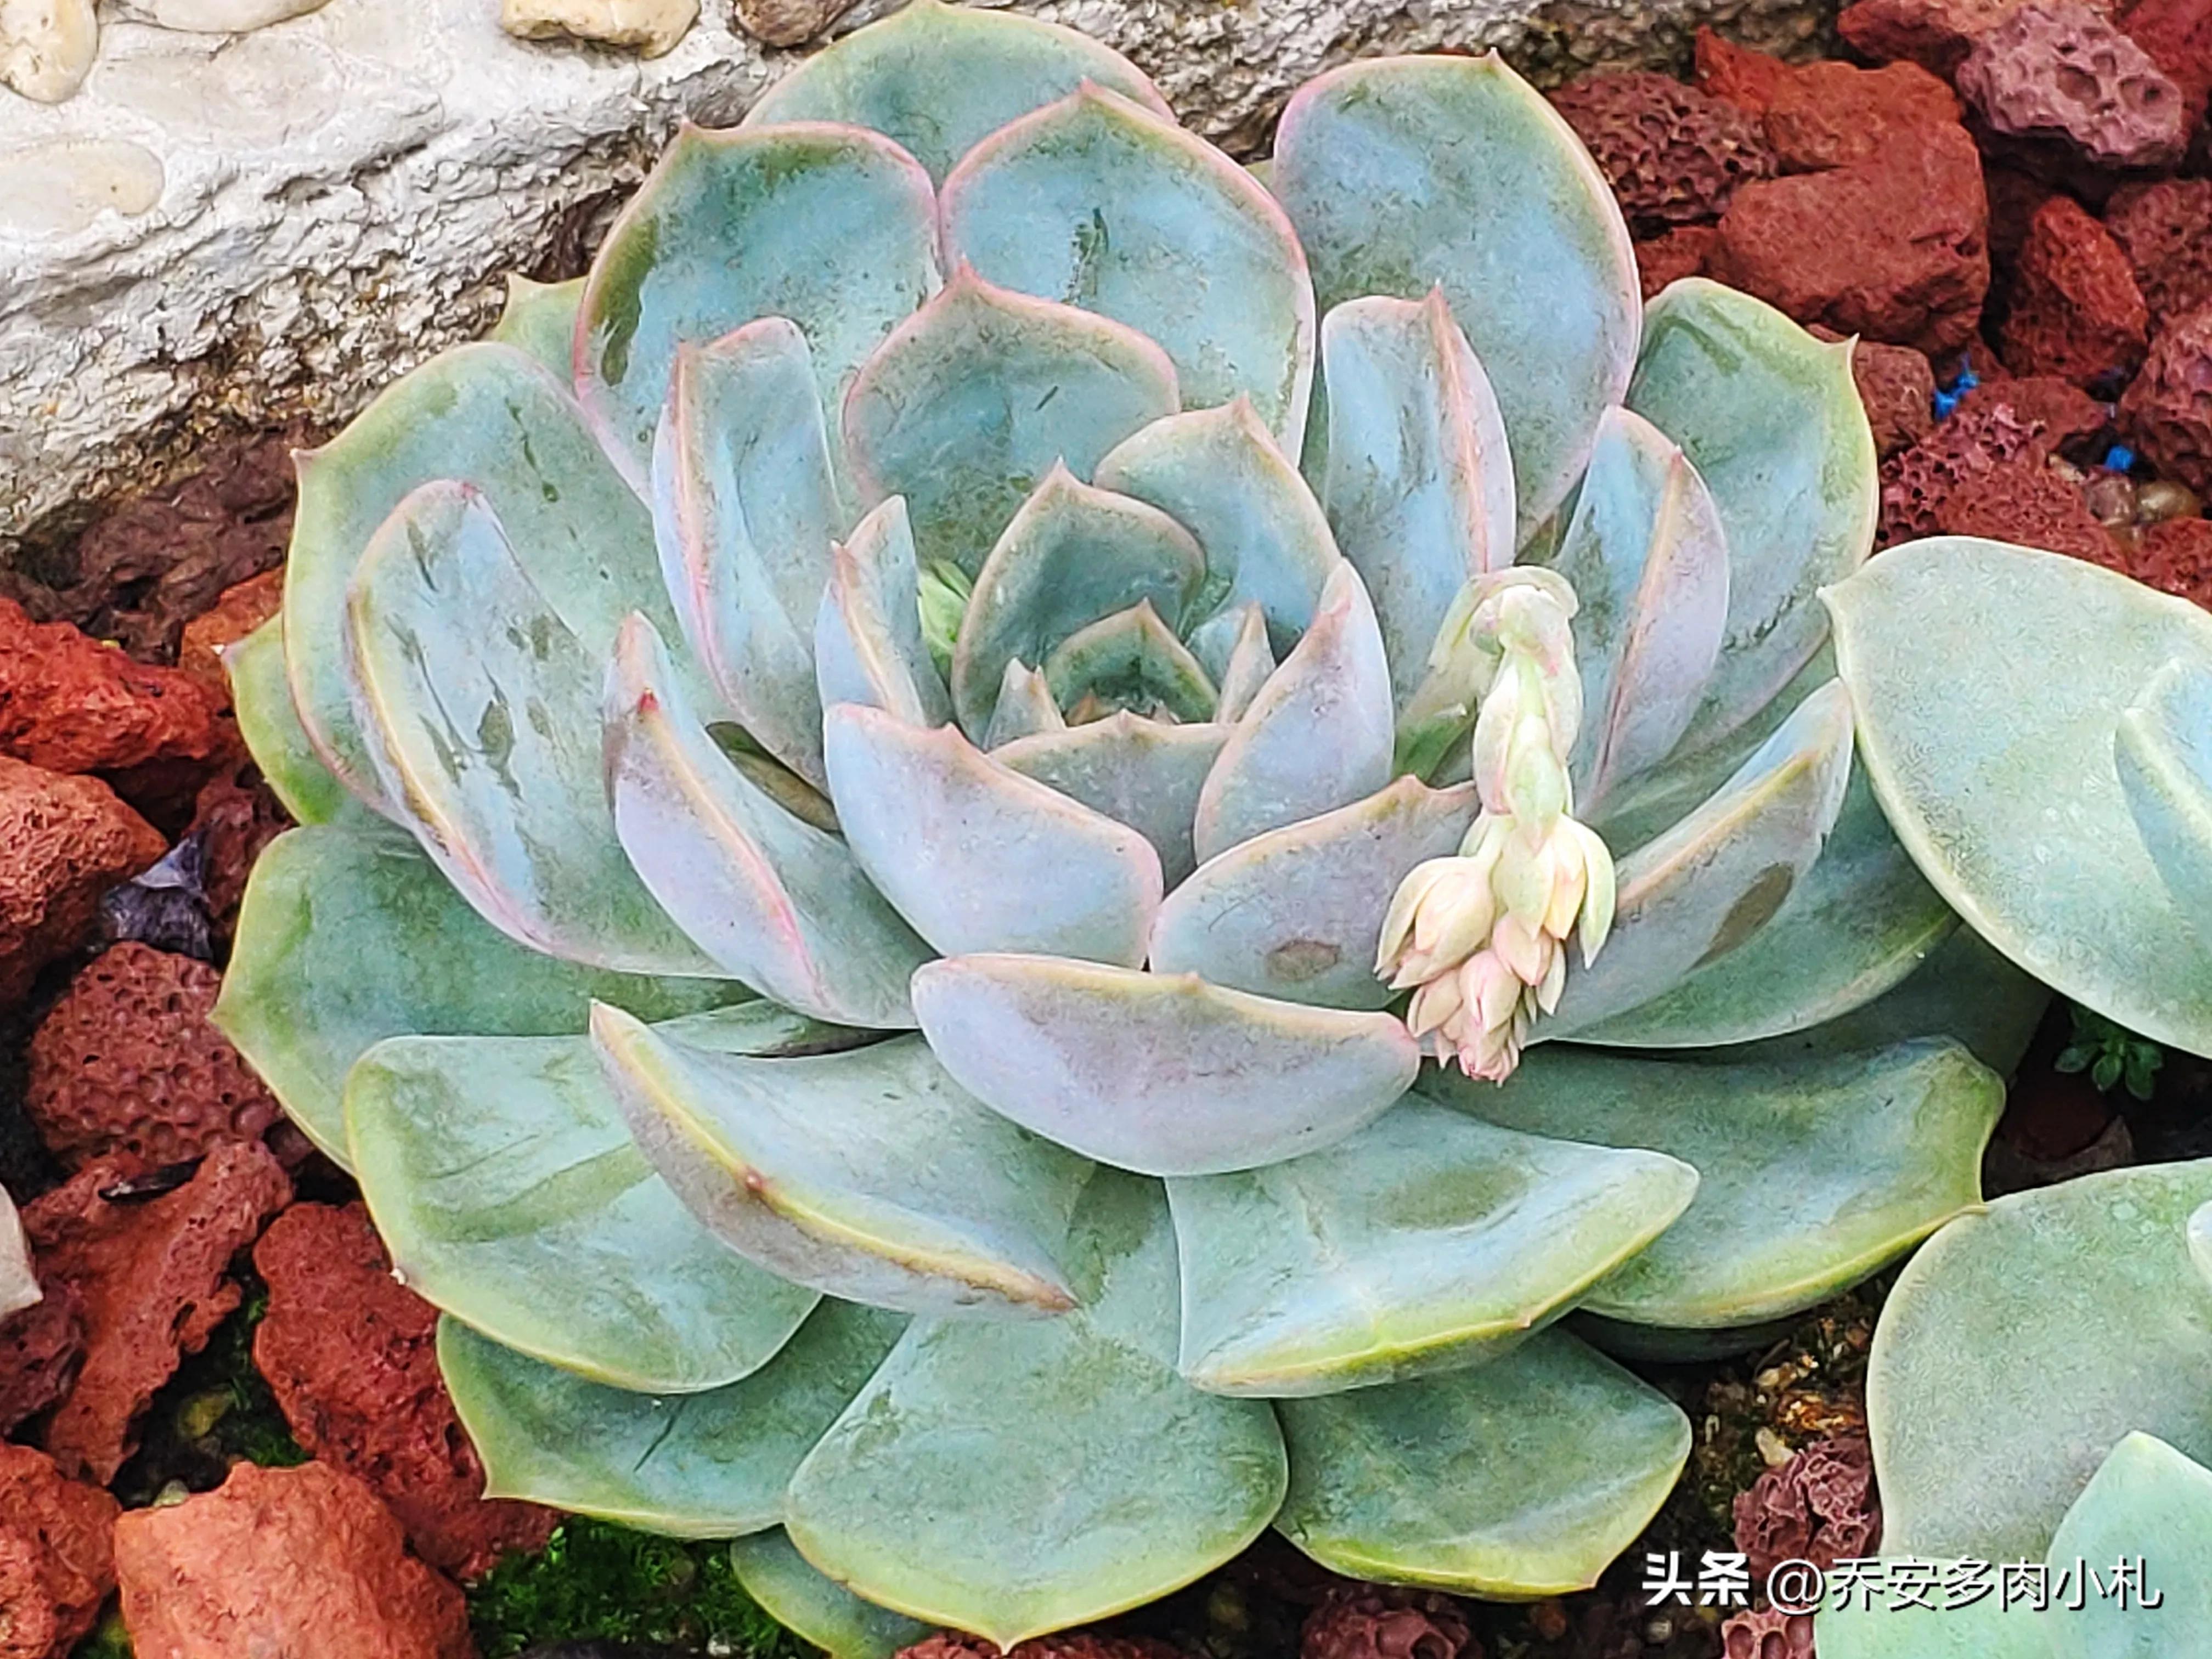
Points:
(108, 1641)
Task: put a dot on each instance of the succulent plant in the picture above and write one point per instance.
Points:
(18, 1284)
(855, 764)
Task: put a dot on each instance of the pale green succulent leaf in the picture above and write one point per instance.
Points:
(975, 856)
(1099, 201)
(1296, 913)
(261, 696)
(1143, 773)
(2162, 750)
(700, 1465)
(2149, 1504)
(1865, 1625)
(868, 643)
(540, 319)
(948, 1491)
(815, 1607)
(1027, 708)
(1160, 1073)
(1131, 660)
(2200, 1240)
(869, 1175)
(1426, 1242)
(1995, 763)
(1520, 1478)
(1247, 664)
(1390, 169)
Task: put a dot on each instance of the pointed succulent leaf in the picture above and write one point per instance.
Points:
(1249, 662)
(1389, 169)
(869, 1175)
(19, 1283)
(1221, 474)
(1813, 1174)
(831, 227)
(1071, 554)
(1296, 913)
(1999, 769)
(1771, 420)
(699, 1465)
(977, 857)
(348, 937)
(1872, 1626)
(505, 1186)
(2144, 1491)
(478, 705)
(868, 644)
(1025, 708)
(1160, 1073)
(1424, 1242)
(1520, 1478)
(772, 900)
(945, 1490)
(1142, 772)
(1317, 738)
(744, 510)
(1647, 560)
(1712, 883)
(488, 417)
(966, 408)
(261, 696)
(2162, 750)
(540, 319)
(1098, 201)
(1130, 659)
(938, 79)
(815, 1607)
(1416, 479)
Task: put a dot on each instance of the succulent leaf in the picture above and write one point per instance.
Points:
(2162, 750)
(1131, 660)
(815, 1607)
(869, 1175)
(1296, 913)
(975, 856)
(1098, 201)
(1247, 665)
(1389, 169)
(895, 1503)
(1025, 708)
(698, 1465)
(1871, 1627)
(1142, 772)
(1519, 1478)
(1100, 1059)
(868, 643)
(2144, 1490)
(261, 696)
(1424, 1242)
(539, 320)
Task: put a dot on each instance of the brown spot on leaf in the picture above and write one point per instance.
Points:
(1300, 959)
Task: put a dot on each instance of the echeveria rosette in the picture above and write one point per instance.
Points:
(892, 714)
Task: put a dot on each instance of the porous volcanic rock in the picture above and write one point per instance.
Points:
(1374, 1621)
(2173, 555)
(1740, 75)
(2025, 502)
(1681, 253)
(2076, 313)
(1673, 154)
(71, 704)
(1764, 1633)
(2062, 412)
(1936, 34)
(30, 1624)
(240, 609)
(2178, 36)
(1819, 1507)
(2058, 70)
(1917, 482)
(62, 1564)
(1830, 114)
(64, 841)
(2168, 408)
(301, 1562)
(39, 1347)
(1898, 386)
(2165, 229)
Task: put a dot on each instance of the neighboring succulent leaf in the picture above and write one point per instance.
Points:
(869, 1175)
(949, 1489)
(480, 708)
(1133, 660)
(1025, 708)
(832, 228)
(1071, 554)
(2149, 1504)
(1995, 763)
(2200, 1240)
(1249, 662)
(488, 417)
(1426, 1242)
(938, 79)
(261, 696)
(1098, 201)
(505, 1186)
(771, 900)
(348, 937)
(1317, 738)
(1867, 1624)
(814, 1607)
(1648, 562)
(2022, 1344)
(1145, 773)
(540, 319)
(2162, 750)
(702, 1465)
(1298, 912)
(1772, 419)
(1416, 477)
(19, 1283)
(977, 857)
(1390, 169)
(1520, 1478)
(746, 509)
(1221, 475)
(1163, 1074)
(868, 645)
(1713, 882)
(1813, 1174)
(965, 409)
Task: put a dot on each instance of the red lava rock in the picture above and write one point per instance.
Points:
(1372, 1622)
(1766, 1634)
(152, 1276)
(240, 611)
(1737, 74)
(1673, 154)
(126, 1065)
(302, 1562)
(30, 1624)
(1069, 1644)
(40, 1348)
(2014, 199)
(64, 841)
(1893, 249)
(2174, 557)
(2165, 229)
(2167, 410)
(1818, 1507)
(2026, 502)
(350, 1354)
(2076, 312)
(71, 704)
(62, 1527)
(2062, 411)
(1681, 253)
(1917, 481)
(1936, 34)
(1830, 114)
(1898, 386)
(2176, 34)
(235, 815)
(2058, 70)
